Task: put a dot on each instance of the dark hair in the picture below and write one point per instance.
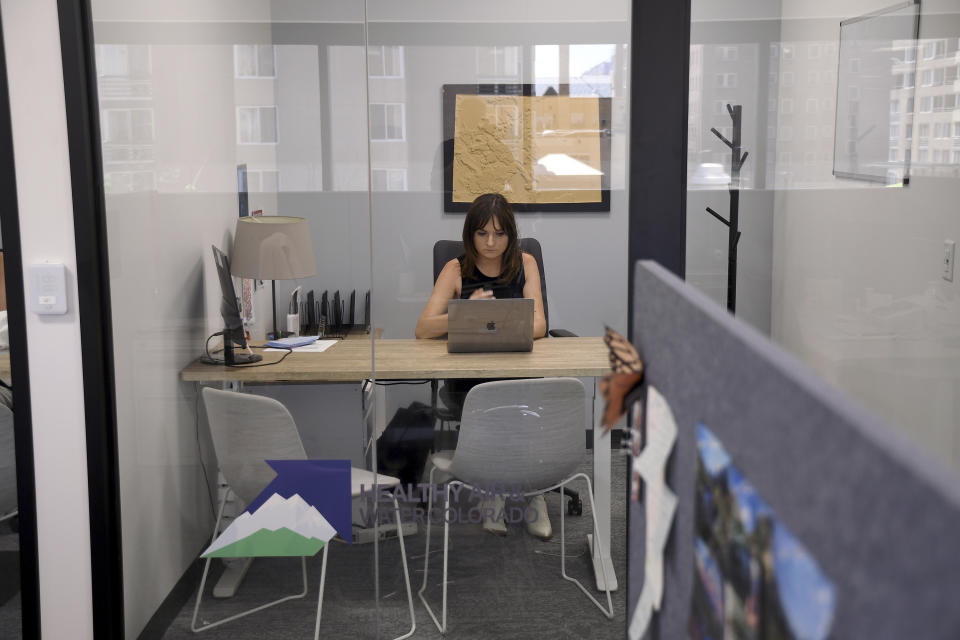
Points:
(482, 210)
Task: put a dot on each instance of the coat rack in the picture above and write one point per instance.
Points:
(736, 162)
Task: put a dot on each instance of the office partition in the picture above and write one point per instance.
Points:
(877, 515)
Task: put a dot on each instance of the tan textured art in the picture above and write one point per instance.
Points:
(532, 149)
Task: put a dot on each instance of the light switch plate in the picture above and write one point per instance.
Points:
(48, 289)
(949, 248)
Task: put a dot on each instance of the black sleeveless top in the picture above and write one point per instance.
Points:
(512, 289)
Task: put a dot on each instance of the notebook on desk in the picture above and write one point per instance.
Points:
(490, 325)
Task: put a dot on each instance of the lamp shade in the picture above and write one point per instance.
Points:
(272, 248)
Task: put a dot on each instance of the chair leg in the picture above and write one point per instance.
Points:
(406, 572)
(608, 612)
(203, 581)
(442, 623)
(323, 582)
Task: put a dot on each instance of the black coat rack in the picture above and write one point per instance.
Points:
(733, 224)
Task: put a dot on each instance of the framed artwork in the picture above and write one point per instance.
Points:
(544, 153)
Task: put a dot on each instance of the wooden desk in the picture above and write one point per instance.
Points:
(349, 360)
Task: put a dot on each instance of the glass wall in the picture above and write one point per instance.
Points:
(531, 104)
(848, 275)
(342, 115)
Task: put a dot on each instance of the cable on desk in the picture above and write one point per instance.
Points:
(206, 349)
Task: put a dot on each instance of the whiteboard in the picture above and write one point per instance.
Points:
(877, 50)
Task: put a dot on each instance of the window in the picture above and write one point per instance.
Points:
(922, 155)
(729, 53)
(127, 126)
(814, 51)
(894, 131)
(812, 105)
(956, 129)
(787, 79)
(927, 78)
(910, 105)
(810, 132)
(786, 134)
(786, 106)
(813, 78)
(385, 62)
(388, 179)
(938, 155)
(934, 49)
(923, 134)
(894, 106)
(956, 157)
(263, 181)
(909, 79)
(254, 61)
(257, 125)
(387, 121)
(507, 119)
(894, 153)
(127, 181)
(122, 60)
(910, 54)
(941, 130)
(908, 130)
(725, 80)
(498, 61)
(787, 52)
(926, 104)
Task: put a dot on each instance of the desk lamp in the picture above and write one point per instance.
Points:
(273, 248)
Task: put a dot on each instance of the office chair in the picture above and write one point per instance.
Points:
(247, 430)
(443, 252)
(502, 423)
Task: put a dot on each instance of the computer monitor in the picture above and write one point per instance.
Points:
(233, 332)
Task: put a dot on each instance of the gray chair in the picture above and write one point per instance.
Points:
(515, 433)
(453, 392)
(247, 430)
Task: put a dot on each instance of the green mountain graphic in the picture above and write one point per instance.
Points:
(264, 543)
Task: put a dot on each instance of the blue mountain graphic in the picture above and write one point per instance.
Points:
(323, 484)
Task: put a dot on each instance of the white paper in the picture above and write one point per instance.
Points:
(316, 347)
(660, 504)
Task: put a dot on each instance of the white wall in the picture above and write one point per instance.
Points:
(857, 288)
(32, 45)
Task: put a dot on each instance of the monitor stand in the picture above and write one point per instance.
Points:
(231, 357)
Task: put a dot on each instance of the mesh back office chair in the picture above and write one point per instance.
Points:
(247, 430)
(443, 252)
(515, 433)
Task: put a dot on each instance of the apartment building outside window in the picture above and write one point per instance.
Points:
(257, 125)
(254, 61)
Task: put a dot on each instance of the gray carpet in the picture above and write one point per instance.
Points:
(500, 587)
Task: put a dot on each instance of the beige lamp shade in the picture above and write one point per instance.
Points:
(272, 248)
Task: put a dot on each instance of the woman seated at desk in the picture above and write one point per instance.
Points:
(492, 266)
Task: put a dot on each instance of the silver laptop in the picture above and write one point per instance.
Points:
(490, 325)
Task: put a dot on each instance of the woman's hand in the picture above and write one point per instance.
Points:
(482, 294)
